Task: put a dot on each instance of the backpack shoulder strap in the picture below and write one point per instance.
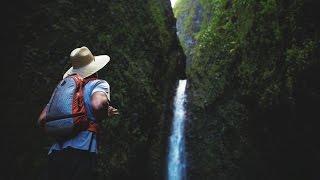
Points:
(93, 126)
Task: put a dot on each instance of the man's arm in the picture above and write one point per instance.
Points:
(100, 105)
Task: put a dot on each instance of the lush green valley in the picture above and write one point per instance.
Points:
(146, 61)
(254, 88)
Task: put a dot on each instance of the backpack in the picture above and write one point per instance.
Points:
(65, 115)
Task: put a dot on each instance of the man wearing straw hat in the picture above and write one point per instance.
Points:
(74, 159)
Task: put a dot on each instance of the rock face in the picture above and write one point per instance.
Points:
(190, 15)
(254, 90)
(146, 61)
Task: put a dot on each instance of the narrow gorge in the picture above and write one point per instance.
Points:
(206, 89)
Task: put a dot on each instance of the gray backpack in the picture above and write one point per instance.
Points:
(65, 115)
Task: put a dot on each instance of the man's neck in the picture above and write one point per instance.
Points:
(95, 75)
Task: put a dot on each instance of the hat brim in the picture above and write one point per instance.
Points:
(98, 63)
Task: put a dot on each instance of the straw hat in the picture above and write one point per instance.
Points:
(84, 63)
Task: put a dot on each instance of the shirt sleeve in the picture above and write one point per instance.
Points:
(103, 87)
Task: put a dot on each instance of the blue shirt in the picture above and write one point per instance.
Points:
(86, 140)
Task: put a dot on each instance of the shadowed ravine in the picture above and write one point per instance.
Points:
(176, 156)
(253, 89)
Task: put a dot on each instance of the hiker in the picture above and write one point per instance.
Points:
(72, 117)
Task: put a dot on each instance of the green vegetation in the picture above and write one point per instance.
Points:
(146, 61)
(186, 12)
(254, 86)
(253, 75)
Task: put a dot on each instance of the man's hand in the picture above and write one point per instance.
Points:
(112, 111)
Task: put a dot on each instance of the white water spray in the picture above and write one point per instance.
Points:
(176, 157)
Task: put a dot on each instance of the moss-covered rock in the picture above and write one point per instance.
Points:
(254, 88)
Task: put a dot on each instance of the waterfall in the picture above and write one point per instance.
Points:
(176, 157)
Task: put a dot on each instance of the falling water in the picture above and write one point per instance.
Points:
(176, 157)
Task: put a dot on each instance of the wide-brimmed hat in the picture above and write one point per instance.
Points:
(84, 63)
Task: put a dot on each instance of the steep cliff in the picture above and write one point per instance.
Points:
(146, 61)
(254, 90)
(189, 14)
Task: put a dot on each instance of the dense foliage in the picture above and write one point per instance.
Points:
(254, 89)
(146, 61)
